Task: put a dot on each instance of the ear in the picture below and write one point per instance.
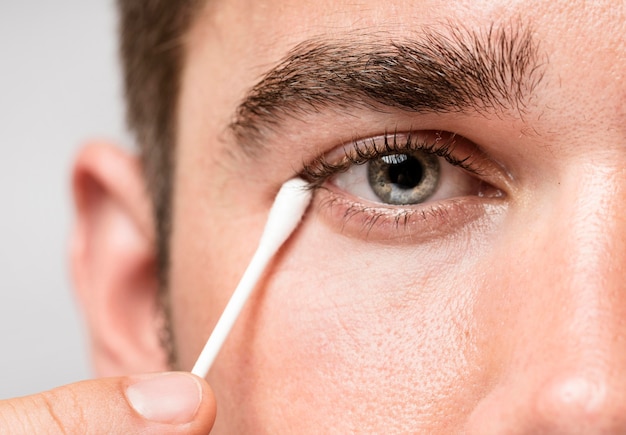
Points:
(113, 262)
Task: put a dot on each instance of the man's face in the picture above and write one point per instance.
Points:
(460, 268)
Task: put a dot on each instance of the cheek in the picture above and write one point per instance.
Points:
(208, 257)
(337, 330)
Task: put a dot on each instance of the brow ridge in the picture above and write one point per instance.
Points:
(451, 69)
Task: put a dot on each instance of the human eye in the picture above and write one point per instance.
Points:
(415, 183)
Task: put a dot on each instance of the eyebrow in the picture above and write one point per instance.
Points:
(450, 70)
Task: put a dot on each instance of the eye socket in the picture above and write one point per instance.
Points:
(404, 178)
(418, 183)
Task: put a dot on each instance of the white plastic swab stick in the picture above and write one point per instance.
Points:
(289, 206)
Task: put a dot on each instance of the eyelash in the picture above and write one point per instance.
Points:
(361, 151)
(437, 218)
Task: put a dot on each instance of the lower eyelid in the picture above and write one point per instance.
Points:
(415, 224)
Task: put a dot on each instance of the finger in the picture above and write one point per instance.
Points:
(163, 403)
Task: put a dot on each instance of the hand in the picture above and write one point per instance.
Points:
(161, 403)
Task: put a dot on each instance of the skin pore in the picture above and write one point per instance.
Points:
(495, 306)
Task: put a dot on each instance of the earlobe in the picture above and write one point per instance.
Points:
(113, 262)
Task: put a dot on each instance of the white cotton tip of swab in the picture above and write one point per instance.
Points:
(289, 206)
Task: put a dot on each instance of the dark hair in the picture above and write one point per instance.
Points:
(152, 50)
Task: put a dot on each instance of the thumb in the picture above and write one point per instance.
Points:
(160, 403)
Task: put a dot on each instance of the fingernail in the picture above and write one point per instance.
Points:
(172, 398)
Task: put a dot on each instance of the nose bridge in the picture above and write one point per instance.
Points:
(586, 246)
(586, 242)
(567, 368)
(581, 267)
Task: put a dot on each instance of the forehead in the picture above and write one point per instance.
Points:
(262, 29)
(233, 43)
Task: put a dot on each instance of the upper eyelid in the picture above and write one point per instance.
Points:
(359, 151)
(440, 147)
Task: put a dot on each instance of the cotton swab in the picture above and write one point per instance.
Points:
(289, 206)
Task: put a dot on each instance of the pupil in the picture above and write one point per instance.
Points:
(405, 171)
(404, 178)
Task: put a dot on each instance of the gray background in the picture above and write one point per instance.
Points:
(59, 86)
